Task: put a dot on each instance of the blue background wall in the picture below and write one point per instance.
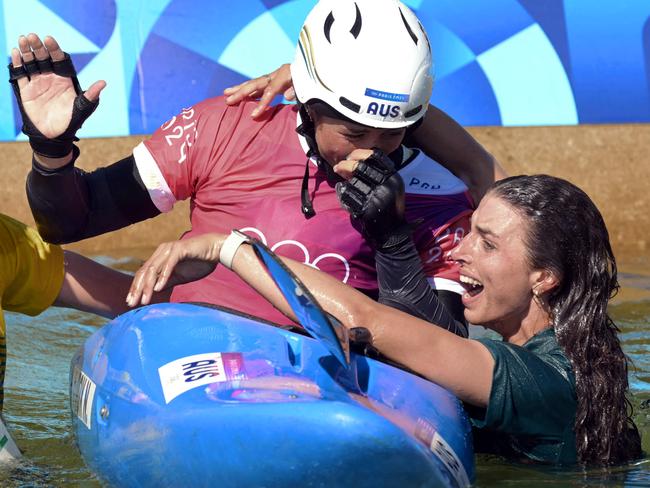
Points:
(497, 62)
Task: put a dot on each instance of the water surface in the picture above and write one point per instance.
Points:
(36, 397)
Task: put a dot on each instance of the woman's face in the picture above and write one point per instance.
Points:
(498, 280)
(338, 138)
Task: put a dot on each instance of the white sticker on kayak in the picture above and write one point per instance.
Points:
(449, 458)
(82, 395)
(189, 372)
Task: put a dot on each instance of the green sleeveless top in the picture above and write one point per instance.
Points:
(532, 405)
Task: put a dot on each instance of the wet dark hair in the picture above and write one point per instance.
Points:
(567, 235)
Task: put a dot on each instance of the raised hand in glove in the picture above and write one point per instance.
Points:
(373, 193)
(51, 102)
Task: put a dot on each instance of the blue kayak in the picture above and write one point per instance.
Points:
(186, 395)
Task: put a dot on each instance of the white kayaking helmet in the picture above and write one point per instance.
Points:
(370, 60)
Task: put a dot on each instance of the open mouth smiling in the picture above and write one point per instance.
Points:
(471, 285)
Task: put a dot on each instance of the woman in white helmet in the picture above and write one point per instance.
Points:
(363, 73)
(368, 60)
(380, 79)
(365, 68)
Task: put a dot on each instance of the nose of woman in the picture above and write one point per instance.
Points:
(461, 253)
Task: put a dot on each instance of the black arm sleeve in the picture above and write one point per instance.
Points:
(70, 204)
(403, 285)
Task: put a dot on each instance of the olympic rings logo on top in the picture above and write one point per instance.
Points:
(307, 259)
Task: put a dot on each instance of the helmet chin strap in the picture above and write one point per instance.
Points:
(306, 204)
(306, 129)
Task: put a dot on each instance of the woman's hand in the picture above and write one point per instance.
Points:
(374, 195)
(174, 263)
(346, 168)
(51, 102)
(265, 87)
(47, 97)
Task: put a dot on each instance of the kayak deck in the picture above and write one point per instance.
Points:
(184, 395)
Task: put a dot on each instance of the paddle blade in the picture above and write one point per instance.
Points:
(310, 314)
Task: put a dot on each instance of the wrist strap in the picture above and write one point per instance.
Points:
(39, 168)
(230, 246)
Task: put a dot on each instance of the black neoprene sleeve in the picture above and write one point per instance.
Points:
(403, 285)
(70, 204)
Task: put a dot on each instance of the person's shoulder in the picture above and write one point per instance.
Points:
(415, 158)
(540, 352)
(10, 222)
(242, 111)
(209, 106)
(22, 246)
(16, 233)
(546, 346)
(12, 229)
(424, 175)
(541, 343)
(545, 343)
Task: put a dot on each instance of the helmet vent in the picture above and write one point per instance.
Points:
(328, 26)
(424, 33)
(408, 28)
(356, 28)
(350, 104)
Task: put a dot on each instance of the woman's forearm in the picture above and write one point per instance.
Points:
(69, 204)
(463, 366)
(403, 285)
(342, 301)
(95, 288)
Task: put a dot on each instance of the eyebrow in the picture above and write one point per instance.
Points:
(485, 232)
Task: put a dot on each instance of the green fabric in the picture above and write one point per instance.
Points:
(532, 406)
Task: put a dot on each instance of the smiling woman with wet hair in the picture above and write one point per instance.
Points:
(538, 270)
(566, 235)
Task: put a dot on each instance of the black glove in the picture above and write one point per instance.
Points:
(374, 196)
(82, 108)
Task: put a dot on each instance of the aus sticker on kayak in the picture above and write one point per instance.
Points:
(186, 373)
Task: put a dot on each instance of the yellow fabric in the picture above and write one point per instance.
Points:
(31, 275)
